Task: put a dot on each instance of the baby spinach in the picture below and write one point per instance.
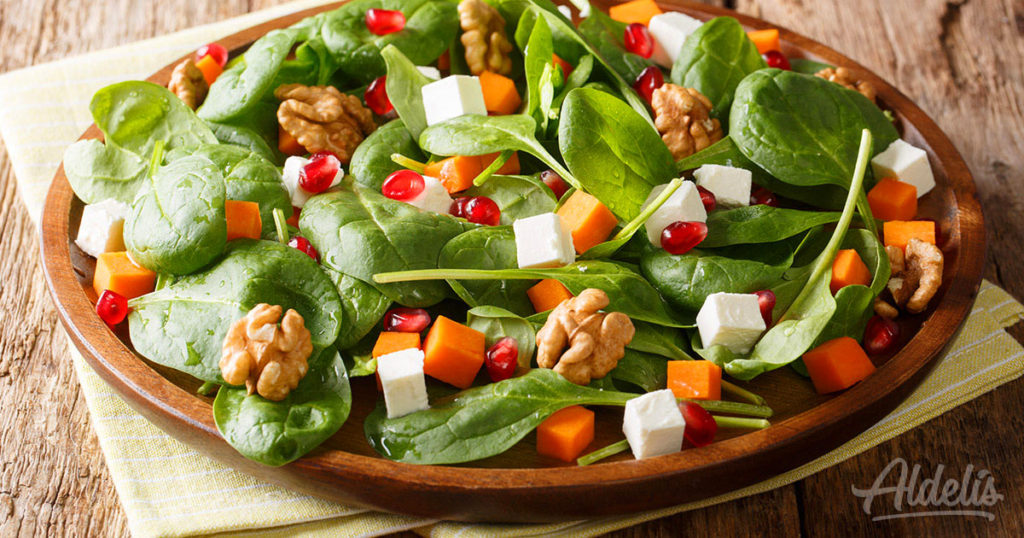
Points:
(276, 433)
(183, 324)
(497, 323)
(363, 307)
(657, 340)
(760, 224)
(371, 162)
(644, 371)
(606, 35)
(517, 196)
(403, 85)
(808, 67)
(537, 56)
(97, 172)
(247, 138)
(480, 422)
(854, 304)
(490, 247)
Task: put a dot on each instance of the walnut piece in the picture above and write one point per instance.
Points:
(269, 358)
(322, 118)
(843, 77)
(916, 277)
(188, 83)
(683, 117)
(596, 340)
(483, 36)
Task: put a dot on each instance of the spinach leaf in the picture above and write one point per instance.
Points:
(275, 433)
(363, 307)
(760, 224)
(97, 172)
(371, 162)
(247, 138)
(403, 85)
(714, 59)
(480, 422)
(518, 197)
(606, 35)
(537, 58)
(854, 304)
(807, 67)
(183, 324)
(490, 247)
(666, 342)
(497, 323)
(643, 371)
(177, 224)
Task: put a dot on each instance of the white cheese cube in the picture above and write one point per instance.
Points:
(452, 97)
(292, 169)
(653, 424)
(669, 31)
(684, 205)
(730, 319)
(429, 72)
(905, 163)
(730, 185)
(543, 241)
(434, 198)
(403, 383)
(101, 227)
(566, 11)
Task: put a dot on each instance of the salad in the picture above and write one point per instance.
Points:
(507, 219)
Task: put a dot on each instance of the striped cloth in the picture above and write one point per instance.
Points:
(168, 489)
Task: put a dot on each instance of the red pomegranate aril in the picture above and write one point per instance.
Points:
(483, 210)
(458, 207)
(679, 237)
(317, 176)
(406, 320)
(763, 196)
(638, 40)
(777, 60)
(880, 335)
(215, 51)
(766, 302)
(376, 96)
(650, 79)
(403, 185)
(112, 307)
(303, 244)
(502, 359)
(700, 425)
(707, 198)
(384, 21)
(554, 182)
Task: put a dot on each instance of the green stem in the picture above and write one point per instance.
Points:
(459, 274)
(486, 173)
(157, 157)
(733, 408)
(162, 280)
(602, 453)
(281, 225)
(411, 164)
(864, 208)
(206, 388)
(741, 393)
(632, 226)
(745, 423)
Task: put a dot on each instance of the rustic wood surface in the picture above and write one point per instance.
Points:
(963, 62)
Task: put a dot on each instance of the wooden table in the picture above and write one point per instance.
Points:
(961, 61)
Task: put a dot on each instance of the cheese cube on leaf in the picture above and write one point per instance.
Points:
(653, 424)
(905, 163)
(403, 382)
(684, 205)
(732, 320)
(543, 240)
(730, 185)
(451, 97)
(434, 198)
(669, 31)
(101, 227)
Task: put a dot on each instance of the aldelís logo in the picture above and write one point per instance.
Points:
(913, 495)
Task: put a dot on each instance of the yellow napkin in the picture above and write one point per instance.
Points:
(168, 489)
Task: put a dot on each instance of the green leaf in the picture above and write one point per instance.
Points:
(606, 35)
(364, 306)
(518, 197)
(247, 138)
(403, 86)
(489, 247)
(760, 224)
(644, 371)
(497, 323)
(371, 162)
(537, 56)
(854, 304)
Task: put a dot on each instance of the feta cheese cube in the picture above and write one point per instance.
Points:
(730, 185)
(434, 197)
(429, 71)
(101, 227)
(730, 319)
(403, 382)
(653, 424)
(292, 169)
(543, 241)
(451, 97)
(669, 31)
(566, 11)
(906, 163)
(684, 205)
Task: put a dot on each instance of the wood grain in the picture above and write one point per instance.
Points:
(47, 488)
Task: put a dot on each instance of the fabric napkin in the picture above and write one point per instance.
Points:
(169, 489)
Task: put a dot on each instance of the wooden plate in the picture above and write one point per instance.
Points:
(519, 485)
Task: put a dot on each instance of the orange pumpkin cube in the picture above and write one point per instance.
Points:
(455, 173)
(897, 233)
(566, 434)
(453, 352)
(892, 199)
(848, 269)
(591, 221)
(500, 94)
(390, 342)
(635, 11)
(765, 40)
(837, 364)
(115, 271)
(210, 68)
(547, 294)
(243, 219)
(697, 380)
(287, 143)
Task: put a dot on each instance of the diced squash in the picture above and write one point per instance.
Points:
(511, 166)
(547, 294)
(453, 352)
(456, 173)
(210, 68)
(897, 233)
(444, 62)
(115, 271)
(591, 221)
(892, 199)
(288, 144)
(390, 342)
(848, 269)
(837, 364)
(565, 434)
(566, 66)
(697, 380)
(635, 11)
(294, 219)
(243, 219)
(500, 94)
(765, 40)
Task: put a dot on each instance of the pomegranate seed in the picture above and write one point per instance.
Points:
(458, 207)
(215, 51)
(679, 237)
(319, 173)
(700, 425)
(304, 245)
(384, 21)
(112, 307)
(707, 198)
(483, 210)
(777, 60)
(880, 335)
(766, 301)
(403, 185)
(763, 196)
(554, 182)
(638, 40)
(376, 96)
(502, 359)
(406, 320)
(650, 79)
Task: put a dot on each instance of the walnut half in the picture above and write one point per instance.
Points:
(843, 77)
(322, 118)
(270, 359)
(916, 277)
(683, 117)
(188, 83)
(596, 340)
(483, 36)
